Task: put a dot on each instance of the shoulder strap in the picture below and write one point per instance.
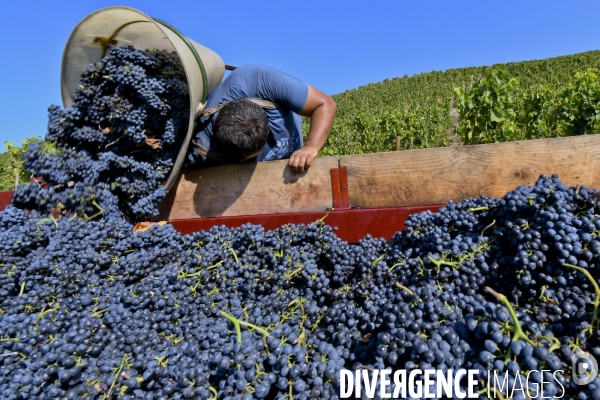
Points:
(260, 102)
(207, 152)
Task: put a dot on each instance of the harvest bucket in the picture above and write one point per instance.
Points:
(120, 26)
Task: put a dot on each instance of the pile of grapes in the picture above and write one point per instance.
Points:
(111, 150)
(92, 310)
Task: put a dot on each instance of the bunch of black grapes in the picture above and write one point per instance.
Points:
(109, 153)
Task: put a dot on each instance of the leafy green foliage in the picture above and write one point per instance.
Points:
(487, 110)
(580, 110)
(495, 110)
(420, 108)
(11, 165)
(536, 114)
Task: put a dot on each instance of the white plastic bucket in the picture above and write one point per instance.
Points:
(120, 26)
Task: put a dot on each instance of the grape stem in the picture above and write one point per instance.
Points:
(517, 330)
(473, 209)
(44, 312)
(394, 266)
(489, 226)
(100, 212)
(405, 288)
(376, 261)
(117, 373)
(439, 263)
(197, 273)
(50, 218)
(323, 218)
(237, 322)
(234, 255)
(596, 301)
(555, 341)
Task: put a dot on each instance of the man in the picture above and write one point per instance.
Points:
(254, 115)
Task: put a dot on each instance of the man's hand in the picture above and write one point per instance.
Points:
(301, 160)
(321, 110)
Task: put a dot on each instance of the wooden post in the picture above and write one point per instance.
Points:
(397, 143)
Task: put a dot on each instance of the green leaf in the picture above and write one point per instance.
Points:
(493, 117)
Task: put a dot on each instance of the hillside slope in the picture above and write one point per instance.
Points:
(428, 98)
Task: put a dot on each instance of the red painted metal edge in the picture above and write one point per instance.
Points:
(339, 189)
(5, 198)
(344, 188)
(336, 193)
(352, 224)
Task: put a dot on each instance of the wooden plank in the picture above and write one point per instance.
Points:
(249, 189)
(435, 176)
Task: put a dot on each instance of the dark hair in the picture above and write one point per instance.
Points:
(241, 128)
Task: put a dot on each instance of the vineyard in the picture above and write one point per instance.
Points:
(513, 101)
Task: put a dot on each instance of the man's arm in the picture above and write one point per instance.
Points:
(321, 109)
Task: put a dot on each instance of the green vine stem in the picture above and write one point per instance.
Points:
(237, 322)
(116, 375)
(323, 218)
(484, 208)
(394, 266)
(405, 288)
(595, 321)
(50, 218)
(22, 289)
(374, 263)
(555, 341)
(234, 255)
(44, 312)
(100, 212)
(297, 301)
(185, 275)
(439, 263)
(489, 226)
(214, 391)
(517, 330)
(302, 336)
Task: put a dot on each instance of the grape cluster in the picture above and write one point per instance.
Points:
(93, 310)
(109, 153)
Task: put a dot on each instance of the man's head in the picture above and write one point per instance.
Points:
(241, 130)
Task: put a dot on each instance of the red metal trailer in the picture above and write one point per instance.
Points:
(352, 224)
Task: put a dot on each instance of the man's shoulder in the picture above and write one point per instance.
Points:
(248, 69)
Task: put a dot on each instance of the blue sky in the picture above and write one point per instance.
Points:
(332, 45)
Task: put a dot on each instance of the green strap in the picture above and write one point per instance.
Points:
(193, 50)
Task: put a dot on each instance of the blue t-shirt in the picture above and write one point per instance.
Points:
(258, 81)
